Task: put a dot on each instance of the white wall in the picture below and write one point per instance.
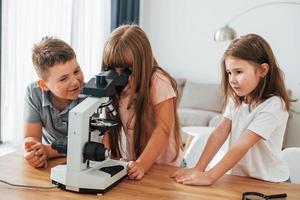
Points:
(181, 34)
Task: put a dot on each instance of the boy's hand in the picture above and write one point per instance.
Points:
(135, 170)
(192, 177)
(36, 154)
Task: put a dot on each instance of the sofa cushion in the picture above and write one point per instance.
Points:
(180, 85)
(202, 96)
(292, 132)
(214, 122)
(195, 117)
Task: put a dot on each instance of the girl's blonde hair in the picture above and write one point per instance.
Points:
(129, 47)
(255, 49)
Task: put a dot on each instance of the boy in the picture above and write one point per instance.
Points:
(48, 101)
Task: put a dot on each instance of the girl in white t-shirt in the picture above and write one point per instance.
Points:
(255, 117)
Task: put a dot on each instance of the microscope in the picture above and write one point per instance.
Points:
(89, 168)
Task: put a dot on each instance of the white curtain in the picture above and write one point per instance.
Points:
(83, 24)
(90, 29)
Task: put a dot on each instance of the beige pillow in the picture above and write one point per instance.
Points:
(202, 96)
(194, 117)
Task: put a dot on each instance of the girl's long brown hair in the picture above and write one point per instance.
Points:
(129, 47)
(255, 49)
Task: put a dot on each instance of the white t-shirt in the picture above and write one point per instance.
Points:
(268, 120)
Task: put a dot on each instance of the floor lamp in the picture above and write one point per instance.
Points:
(227, 33)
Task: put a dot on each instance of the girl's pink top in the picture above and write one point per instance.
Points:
(161, 90)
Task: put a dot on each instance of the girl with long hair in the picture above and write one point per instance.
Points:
(146, 106)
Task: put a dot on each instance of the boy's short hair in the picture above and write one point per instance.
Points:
(49, 52)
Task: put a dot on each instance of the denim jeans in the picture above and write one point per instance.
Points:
(183, 163)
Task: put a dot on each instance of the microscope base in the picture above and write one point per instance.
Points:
(85, 190)
(97, 179)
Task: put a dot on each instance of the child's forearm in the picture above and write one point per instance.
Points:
(164, 113)
(213, 144)
(154, 147)
(234, 155)
(30, 138)
(210, 150)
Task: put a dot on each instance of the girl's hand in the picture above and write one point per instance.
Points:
(180, 172)
(192, 177)
(135, 170)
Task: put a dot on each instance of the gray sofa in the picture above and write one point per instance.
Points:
(201, 105)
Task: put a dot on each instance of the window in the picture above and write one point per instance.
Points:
(83, 24)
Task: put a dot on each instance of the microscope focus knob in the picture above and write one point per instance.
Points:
(94, 151)
(101, 81)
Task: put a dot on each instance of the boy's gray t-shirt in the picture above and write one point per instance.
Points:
(38, 108)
